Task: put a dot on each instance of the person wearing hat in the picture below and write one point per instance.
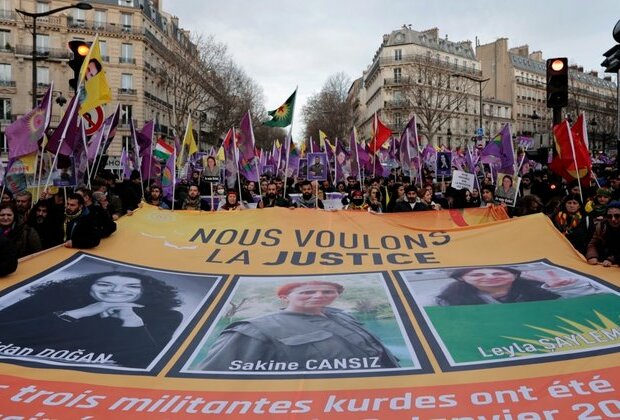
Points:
(357, 203)
(232, 202)
(604, 247)
(570, 220)
(597, 207)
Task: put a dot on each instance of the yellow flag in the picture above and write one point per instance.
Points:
(189, 141)
(220, 156)
(322, 137)
(93, 88)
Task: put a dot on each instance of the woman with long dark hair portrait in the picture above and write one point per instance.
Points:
(483, 285)
(126, 317)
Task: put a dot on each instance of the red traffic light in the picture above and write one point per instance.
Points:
(557, 64)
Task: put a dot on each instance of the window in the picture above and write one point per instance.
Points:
(397, 75)
(5, 109)
(5, 39)
(42, 7)
(126, 114)
(43, 76)
(127, 54)
(101, 18)
(79, 16)
(398, 119)
(43, 43)
(398, 55)
(127, 3)
(126, 81)
(5, 72)
(126, 21)
(103, 48)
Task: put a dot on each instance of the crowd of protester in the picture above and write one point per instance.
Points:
(589, 217)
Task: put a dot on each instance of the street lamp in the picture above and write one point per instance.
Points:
(480, 82)
(449, 133)
(34, 16)
(593, 124)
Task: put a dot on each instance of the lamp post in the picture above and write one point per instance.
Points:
(449, 133)
(34, 16)
(593, 124)
(480, 82)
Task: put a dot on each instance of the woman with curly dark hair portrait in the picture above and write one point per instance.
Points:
(128, 316)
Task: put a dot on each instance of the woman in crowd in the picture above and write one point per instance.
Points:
(570, 220)
(127, 315)
(426, 201)
(397, 193)
(307, 328)
(232, 202)
(374, 200)
(24, 238)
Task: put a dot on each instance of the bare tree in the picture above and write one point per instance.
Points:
(432, 93)
(329, 109)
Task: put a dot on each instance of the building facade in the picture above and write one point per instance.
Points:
(434, 78)
(141, 45)
(518, 77)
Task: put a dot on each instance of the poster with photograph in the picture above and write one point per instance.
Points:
(269, 171)
(303, 168)
(444, 164)
(64, 175)
(93, 313)
(210, 169)
(317, 166)
(310, 325)
(516, 313)
(507, 188)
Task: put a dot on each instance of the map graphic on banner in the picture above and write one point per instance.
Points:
(309, 314)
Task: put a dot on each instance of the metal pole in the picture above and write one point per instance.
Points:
(34, 61)
(480, 85)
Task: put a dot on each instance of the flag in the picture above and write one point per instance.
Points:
(163, 150)
(342, 163)
(93, 88)
(283, 115)
(230, 158)
(95, 143)
(248, 161)
(380, 134)
(572, 160)
(112, 123)
(145, 141)
(189, 141)
(500, 151)
(23, 135)
(168, 177)
(322, 138)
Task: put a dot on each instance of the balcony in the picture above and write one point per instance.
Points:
(150, 67)
(126, 91)
(399, 103)
(127, 60)
(8, 83)
(396, 81)
(43, 53)
(96, 26)
(7, 15)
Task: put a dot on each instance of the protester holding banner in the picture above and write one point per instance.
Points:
(80, 228)
(306, 329)
(604, 247)
(484, 285)
(126, 318)
(272, 198)
(8, 256)
(232, 202)
(409, 201)
(426, 201)
(25, 239)
(48, 227)
(307, 199)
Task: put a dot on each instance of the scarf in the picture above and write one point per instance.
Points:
(567, 222)
(309, 203)
(192, 203)
(68, 219)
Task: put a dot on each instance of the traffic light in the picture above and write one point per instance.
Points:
(80, 50)
(557, 82)
(612, 60)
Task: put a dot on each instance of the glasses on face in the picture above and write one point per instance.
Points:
(613, 216)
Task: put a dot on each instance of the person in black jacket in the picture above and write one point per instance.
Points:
(8, 257)
(103, 220)
(80, 228)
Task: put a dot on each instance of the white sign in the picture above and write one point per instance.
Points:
(114, 162)
(462, 180)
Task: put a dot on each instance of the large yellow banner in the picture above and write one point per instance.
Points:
(309, 314)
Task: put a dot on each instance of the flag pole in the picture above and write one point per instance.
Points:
(40, 161)
(62, 139)
(572, 148)
(288, 153)
(234, 138)
(86, 154)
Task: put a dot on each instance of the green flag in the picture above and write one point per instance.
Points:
(283, 116)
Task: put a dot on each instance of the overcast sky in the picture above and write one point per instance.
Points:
(284, 44)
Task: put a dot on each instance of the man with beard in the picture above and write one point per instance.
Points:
(103, 220)
(48, 227)
(79, 229)
(604, 247)
(272, 199)
(193, 200)
(23, 204)
(307, 199)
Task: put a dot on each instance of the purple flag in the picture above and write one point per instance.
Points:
(248, 161)
(355, 157)
(145, 140)
(500, 148)
(23, 135)
(95, 143)
(112, 123)
(342, 163)
(65, 137)
(230, 160)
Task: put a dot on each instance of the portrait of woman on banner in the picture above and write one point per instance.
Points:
(307, 334)
(484, 285)
(122, 318)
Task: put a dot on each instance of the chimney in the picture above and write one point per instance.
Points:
(594, 73)
(580, 69)
(432, 33)
(607, 78)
